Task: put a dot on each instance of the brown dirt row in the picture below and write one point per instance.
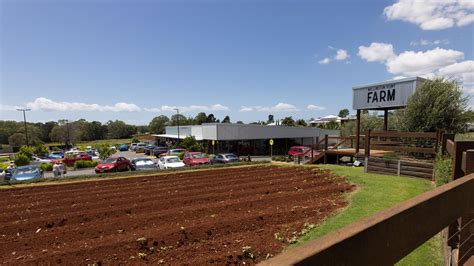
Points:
(196, 225)
(185, 194)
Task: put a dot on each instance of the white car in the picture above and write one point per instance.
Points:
(37, 159)
(170, 162)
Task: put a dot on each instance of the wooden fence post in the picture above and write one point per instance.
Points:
(325, 148)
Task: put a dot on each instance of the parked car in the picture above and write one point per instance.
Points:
(93, 154)
(173, 152)
(148, 149)
(39, 160)
(139, 164)
(157, 151)
(195, 158)
(56, 155)
(2, 174)
(296, 151)
(113, 164)
(8, 173)
(133, 146)
(71, 157)
(123, 147)
(27, 172)
(140, 147)
(225, 158)
(170, 162)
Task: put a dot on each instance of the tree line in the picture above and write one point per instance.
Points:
(437, 104)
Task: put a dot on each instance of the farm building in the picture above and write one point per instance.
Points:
(247, 139)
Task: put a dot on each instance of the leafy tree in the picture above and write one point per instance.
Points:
(93, 131)
(158, 124)
(239, 122)
(211, 119)
(8, 128)
(270, 119)
(288, 121)
(301, 123)
(367, 121)
(200, 118)
(436, 104)
(343, 113)
(226, 119)
(119, 130)
(182, 120)
(191, 144)
(143, 129)
(135, 139)
(17, 140)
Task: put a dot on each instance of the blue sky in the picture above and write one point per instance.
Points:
(133, 60)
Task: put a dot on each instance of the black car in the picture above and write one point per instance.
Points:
(225, 158)
(148, 149)
(139, 164)
(159, 150)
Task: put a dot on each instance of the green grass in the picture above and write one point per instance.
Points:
(377, 192)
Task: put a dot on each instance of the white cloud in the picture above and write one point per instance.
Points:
(424, 42)
(432, 14)
(412, 63)
(341, 54)
(437, 62)
(190, 108)
(398, 77)
(45, 104)
(325, 61)
(8, 108)
(280, 107)
(376, 52)
(313, 107)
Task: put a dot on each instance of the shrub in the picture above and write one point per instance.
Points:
(135, 140)
(105, 151)
(442, 169)
(389, 157)
(40, 149)
(21, 159)
(84, 164)
(27, 151)
(46, 167)
(181, 155)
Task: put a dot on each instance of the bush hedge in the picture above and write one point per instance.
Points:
(21, 159)
(442, 169)
(84, 164)
(47, 167)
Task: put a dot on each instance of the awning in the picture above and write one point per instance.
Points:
(172, 136)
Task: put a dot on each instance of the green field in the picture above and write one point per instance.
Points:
(377, 192)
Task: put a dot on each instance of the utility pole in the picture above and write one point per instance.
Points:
(24, 110)
(67, 132)
(177, 121)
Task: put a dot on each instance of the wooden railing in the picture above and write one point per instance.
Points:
(406, 142)
(389, 235)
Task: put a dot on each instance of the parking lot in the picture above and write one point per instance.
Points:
(129, 155)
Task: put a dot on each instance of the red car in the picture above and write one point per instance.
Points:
(298, 151)
(71, 158)
(194, 158)
(113, 164)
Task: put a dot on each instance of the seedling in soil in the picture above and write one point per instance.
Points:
(247, 250)
(142, 255)
(279, 236)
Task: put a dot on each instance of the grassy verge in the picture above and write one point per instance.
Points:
(377, 192)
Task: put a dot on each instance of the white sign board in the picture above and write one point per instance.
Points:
(390, 94)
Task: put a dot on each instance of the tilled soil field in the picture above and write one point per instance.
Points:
(221, 216)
